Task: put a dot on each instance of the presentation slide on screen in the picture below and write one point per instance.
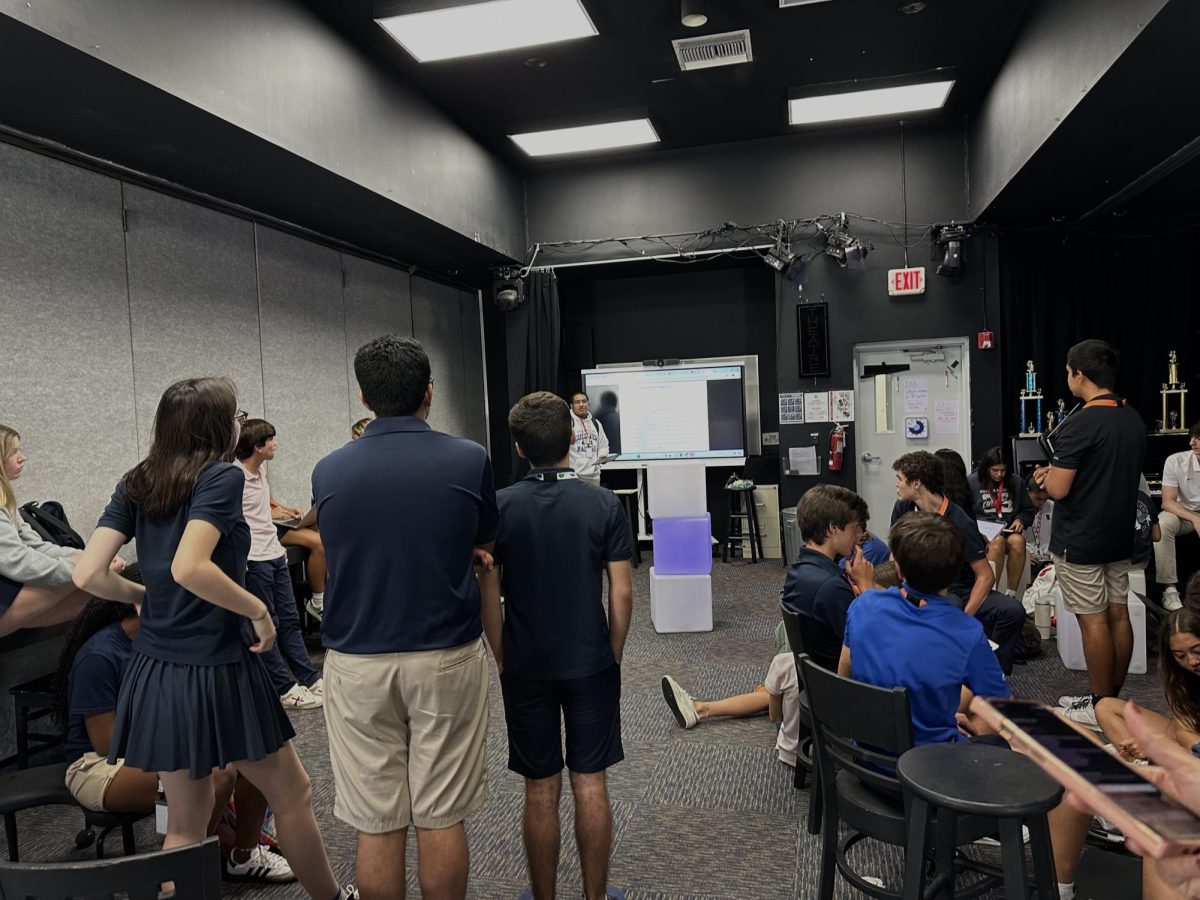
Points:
(689, 412)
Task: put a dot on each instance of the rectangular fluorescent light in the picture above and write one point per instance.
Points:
(888, 101)
(488, 27)
(583, 138)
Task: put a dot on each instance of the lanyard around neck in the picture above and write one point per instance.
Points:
(558, 475)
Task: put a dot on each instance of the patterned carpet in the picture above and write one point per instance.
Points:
(703, 814)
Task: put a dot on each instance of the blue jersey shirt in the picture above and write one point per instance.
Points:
(178, 626)
(94, 682)
(400, 511)
(932, 650)
(557, 534)
(817, 588)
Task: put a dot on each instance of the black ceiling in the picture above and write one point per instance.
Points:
(631, 64)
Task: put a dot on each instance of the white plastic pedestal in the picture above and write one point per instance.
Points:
(680, 602)
(1070, 642)
(676, 492)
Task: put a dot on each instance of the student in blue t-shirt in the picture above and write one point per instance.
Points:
(90, 669)
(194, 697)
(916, 637)
(559, 657)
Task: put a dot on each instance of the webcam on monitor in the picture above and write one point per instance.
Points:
(659, 363)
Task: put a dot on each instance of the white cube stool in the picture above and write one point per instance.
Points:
(676, 491)
(1070, 641)
(680, 602)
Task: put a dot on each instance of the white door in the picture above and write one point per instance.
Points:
(910, 395)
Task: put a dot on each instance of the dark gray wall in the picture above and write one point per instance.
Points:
(274, 71)
(858, 170)
(1062, 51)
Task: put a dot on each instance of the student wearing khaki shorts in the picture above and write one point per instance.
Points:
(402, 510)
(93, 662)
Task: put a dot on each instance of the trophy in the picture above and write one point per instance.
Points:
(1031, 393)
(1174, 391)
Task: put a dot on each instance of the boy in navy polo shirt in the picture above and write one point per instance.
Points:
(559, 657)
(924, 643)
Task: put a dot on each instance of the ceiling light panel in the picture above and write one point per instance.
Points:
(488, 27)
(585, 138)
(888, 101)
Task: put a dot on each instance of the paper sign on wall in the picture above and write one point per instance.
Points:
(946, 417)
(791, 409)
(916, 395)
(842, 403)
(803, 460)
(816, 407)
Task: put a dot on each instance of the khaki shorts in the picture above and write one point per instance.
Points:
(1090, 589)
(407, 736)
(88, 779)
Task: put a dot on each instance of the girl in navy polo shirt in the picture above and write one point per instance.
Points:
(194, 697)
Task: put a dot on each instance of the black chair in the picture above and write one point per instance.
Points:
(32, 702)
(195, 870)
(30, 789)
(107, 823)
(297, 562)
(743, 525)
(859, 732)
(794, 626)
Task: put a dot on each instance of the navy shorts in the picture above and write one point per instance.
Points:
(536, 710)
(8, 592)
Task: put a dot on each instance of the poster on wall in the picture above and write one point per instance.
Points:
(945, 417)
(842, 403)
(816, 407)
(791, 409)
(916, 396)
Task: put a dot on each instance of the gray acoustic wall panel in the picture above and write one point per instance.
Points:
(193, 300)
(377, 302)
(65, 370)
(437, 324)
(304, 356)
(474, 392)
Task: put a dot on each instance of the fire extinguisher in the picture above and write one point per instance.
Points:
(837, 448)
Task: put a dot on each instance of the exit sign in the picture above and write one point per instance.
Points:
(906, 281)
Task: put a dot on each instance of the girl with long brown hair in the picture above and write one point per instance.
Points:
(35, 575)
(194, 697)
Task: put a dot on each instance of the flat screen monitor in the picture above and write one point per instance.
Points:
(670, 412)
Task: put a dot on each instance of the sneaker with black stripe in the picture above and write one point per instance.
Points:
(262, 866)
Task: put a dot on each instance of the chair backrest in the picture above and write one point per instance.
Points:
(856, 726)
(195, 870)
(797, 639)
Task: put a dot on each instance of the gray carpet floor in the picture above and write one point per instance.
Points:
(703, 814)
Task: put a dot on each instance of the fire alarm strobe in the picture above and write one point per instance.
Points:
(986, 341)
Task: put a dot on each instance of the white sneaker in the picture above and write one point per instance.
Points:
(1170, 598)
(261, 866)
(680, 703)
(316, 610)
(317, 688)
(300, 697)
(1083, 713)
(995, 842)
(1009, 592)
(1071, 699)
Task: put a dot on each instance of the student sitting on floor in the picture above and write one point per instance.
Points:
(1179, 672)
(917, 638)
(90, 670)
(297, 682)
(778, 696)
(35, 575)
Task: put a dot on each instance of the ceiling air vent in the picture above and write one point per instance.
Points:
(728, 49)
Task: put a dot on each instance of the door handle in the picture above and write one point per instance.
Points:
(870, 457)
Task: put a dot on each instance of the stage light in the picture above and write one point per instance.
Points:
(947, 243)
(779, 257)
(508, 289)
(840, 244)
(474, 28)
(692, 14)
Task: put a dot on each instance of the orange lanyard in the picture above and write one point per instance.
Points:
(1107, 400)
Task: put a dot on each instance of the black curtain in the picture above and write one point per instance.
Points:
(1138, 291)
(544, 333)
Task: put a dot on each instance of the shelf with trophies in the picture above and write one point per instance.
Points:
(1026, 447)
(1174, 401)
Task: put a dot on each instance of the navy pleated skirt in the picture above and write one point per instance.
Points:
(173, 716)
(8, 592)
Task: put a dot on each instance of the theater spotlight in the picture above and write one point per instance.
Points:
(508, 288)
(840, 244)
(947, 246)
(779, 257)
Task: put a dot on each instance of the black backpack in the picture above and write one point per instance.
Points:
(49, 520)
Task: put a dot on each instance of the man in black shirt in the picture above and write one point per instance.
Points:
(1093, 480)
(919, 486)
(831, 521)
(558, 656)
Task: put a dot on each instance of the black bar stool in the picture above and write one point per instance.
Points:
(629, 499)
(944, 781)
(32, 701)
(742, 511)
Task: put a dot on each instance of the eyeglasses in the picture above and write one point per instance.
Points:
(242, 416)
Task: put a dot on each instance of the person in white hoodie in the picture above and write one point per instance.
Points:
(35, 575)
(589, 443)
